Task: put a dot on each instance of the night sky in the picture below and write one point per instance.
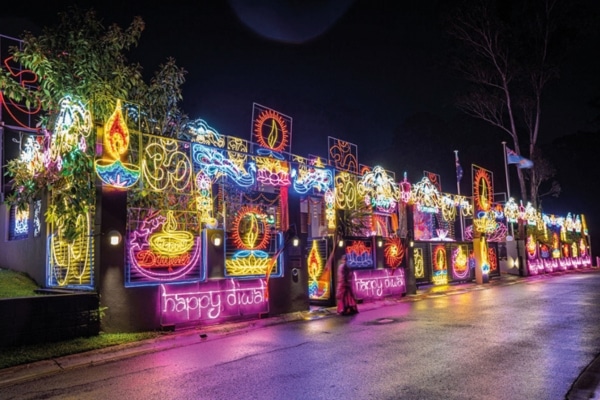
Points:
(374, 73)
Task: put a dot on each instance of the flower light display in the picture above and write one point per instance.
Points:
(112, 168)
(250, 238)
(359, 254)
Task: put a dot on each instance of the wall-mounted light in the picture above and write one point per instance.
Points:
(379, 243)
(295, 241)
(114, 238)
(411, 244)
(216, 239)
(340, 243)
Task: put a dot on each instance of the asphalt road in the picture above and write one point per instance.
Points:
(530, 340)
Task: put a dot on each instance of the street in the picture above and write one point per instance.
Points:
(529, 340)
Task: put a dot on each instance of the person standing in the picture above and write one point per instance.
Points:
(346, 303)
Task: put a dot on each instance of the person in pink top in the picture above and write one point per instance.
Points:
(346, 303)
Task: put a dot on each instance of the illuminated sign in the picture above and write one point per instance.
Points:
(343, 155)
(440, 267)
(378, 283)
(159, 250)
(272, 131)
(393, 252)
(359, 254)
(319, 274)
(460, 264)
(483, 189)
(213, 301)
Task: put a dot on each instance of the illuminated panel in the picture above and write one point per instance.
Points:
(426, 196)
(419, 262)
(18, 223)
(345, 191)
(213, 301)
(378, 283)
(112, 168)
(359, 254)
(329, 198)
(319, 273)
(163, 247)
(70, 261)
(440, 267)
(492, 258)
(250, 247)
(393, 252)
(460, 262)
(483, 189)
(435, 179)
(166, 164)
(204, 200)
(199, 131)
(272, 172)
(213, 163)
(307, 177)
(271, 130)
(379, 190)
(343, 155)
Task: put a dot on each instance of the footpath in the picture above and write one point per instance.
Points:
(587, 386)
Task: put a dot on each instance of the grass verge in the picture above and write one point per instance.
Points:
(16, 284)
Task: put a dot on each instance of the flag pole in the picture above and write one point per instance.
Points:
(512, 232)
(460, 216)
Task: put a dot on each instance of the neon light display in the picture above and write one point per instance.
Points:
(204, 201)
(405, 190)
(272, 172)
(70, 262)
(440, 267)
(272, 130)
(199, 131)
(378, 283)
(329, 198)
(483, 189)
(359, 254)
(213, 301)
(319, 274)
(161, 252)
(460, 264)
(419, 261)
(343, 155)
(19, 223)
(379, 190)
(307, 178)
(393, 251)
(37, 219)
(249, 238)
(426, 196)
(213, 163)
(166, 164)
(112, 168)
(345, 191)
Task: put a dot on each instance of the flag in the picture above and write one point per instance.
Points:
(513, 158)
(459, 170)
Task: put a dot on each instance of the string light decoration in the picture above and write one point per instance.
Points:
(27, 79)
(204, 200)
(199, 131)
(329, 198)
(405, 190)
(112, 168)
